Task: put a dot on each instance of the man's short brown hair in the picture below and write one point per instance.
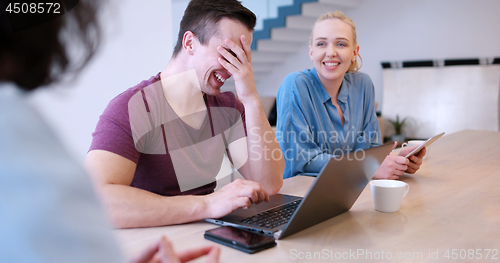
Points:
(201, 18)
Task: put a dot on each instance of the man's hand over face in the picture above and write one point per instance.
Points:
(238, 62)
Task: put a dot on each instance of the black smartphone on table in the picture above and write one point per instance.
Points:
(240, 239)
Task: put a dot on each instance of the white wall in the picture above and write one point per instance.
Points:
(442, 99)
(178, 7)
(137, 45)
(395, 30)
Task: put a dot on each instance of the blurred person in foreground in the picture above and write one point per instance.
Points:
(48, 209)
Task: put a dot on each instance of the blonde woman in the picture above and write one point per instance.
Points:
(330, 110)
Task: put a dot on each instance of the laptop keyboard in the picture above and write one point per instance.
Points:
(274, 217)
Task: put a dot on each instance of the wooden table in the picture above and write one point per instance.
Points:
(451, 213)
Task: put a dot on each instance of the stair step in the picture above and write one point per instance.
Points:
(262, 67)
(271, 57)
(300, 22)
(342, 3)
(289, 34)
(318, 9)
(277, 46)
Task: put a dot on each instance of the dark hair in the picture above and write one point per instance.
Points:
(42, 54)
(202, 16)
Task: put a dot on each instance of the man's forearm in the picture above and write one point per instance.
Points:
(265, 158)
(130, 207)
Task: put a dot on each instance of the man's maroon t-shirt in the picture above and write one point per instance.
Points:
(138, 125)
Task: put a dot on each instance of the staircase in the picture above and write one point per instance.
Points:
(284, 35)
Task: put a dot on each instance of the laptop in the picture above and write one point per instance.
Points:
(334, 191)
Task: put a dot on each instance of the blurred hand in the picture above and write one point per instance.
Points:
(163, 252)
(415, 160)
(395, 166)
(237, 194)
(392, 167)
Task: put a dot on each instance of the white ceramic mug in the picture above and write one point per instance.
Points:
(413, 143)
(388, 194)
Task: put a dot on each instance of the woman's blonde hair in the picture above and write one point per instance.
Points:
(339, 15)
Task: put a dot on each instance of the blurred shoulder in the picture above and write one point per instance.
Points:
(358, 77)
(297, 80)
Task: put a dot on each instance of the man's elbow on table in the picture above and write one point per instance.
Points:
(277, 174)
(274, 186)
